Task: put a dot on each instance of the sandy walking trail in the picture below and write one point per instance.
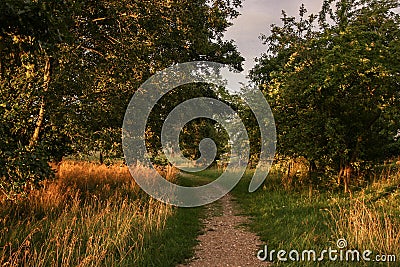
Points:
(226, 242)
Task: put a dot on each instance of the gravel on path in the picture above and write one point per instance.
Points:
(226, 242)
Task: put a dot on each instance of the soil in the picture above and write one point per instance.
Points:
(226, 241)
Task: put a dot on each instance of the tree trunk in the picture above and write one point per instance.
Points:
(101, 158)
(348, 169)
(339, 179)
(311, 169)
(346, 177)
(40, 120)
(39, 124)
(289, 168)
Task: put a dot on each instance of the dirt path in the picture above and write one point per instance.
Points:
(225, 241)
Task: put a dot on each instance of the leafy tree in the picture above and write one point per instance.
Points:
(193, 132)
(69, 68)
(334, 89)
(165, 35)
(31, 34)
(124, 43)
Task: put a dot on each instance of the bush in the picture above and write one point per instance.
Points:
(23, 170)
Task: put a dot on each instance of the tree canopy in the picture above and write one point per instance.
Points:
(332, 80)
(69, 69)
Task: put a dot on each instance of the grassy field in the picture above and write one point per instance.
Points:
(305, 219)
(94, 215)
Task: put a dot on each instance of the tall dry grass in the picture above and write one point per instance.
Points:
(91, 215)
(371, 219)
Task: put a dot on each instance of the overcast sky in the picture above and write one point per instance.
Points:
(256, 18)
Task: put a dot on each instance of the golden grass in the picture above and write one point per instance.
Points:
(371, 219)
(91, 215)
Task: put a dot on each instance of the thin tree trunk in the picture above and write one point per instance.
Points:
(346, 169)
(40, 120)
(345, 173)
(39, 123)
(347, 176)
(339, 179)
(289, 168)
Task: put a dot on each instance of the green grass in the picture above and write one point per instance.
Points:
(304, 219)
(106, 220)
(177, 240)
(200, 178)
(297, 220)
(285, 220)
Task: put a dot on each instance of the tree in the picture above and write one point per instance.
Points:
(193, 132)
(31, 34)
(69, 68)
(333, 89)
(165, 35)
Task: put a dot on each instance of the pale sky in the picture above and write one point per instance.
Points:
(256, 18)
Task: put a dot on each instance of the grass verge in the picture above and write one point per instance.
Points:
(297, 220)
(95, 215)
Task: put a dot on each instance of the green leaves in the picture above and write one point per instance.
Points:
(334, 89)
(68, 69)
(22, 170)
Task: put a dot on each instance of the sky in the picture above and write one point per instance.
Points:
(256, 19)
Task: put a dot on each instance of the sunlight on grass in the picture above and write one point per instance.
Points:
(91, 215)
(371, 218)
(292, 218)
